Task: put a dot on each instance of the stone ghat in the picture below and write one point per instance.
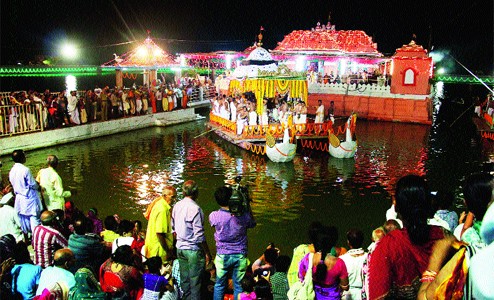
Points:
(54, 137)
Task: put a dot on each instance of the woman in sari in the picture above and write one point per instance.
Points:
(330, 276)
(119, 277)
(401, 256)
(86, 287)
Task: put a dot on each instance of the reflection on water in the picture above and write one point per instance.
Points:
(123, 173)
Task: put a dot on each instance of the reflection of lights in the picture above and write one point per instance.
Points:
(182, 60)
(343, 66)
(439, 89)
(70, 83)
(228, 61)
(300, 64)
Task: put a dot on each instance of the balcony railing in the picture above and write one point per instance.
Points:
(19, 119)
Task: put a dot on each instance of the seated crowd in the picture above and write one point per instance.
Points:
(414, 254)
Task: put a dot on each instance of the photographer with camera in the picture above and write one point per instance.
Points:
(231, 222)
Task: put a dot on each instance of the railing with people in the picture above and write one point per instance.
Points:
(18, 119)
(208, 92)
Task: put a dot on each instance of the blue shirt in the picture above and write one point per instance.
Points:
(188, 224)
(25, 279)
(27, 201)
(450, 217)
(230, 231)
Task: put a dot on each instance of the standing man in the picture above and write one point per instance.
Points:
(51, 185)
(192, 249)
(319, 112)
(159, 236)
(27, 202)
(331, 111)
(72, 108)
(231, 243)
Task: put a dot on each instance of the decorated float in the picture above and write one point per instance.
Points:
(262, 76)
(345, 66)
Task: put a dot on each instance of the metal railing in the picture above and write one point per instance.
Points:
(18, 119)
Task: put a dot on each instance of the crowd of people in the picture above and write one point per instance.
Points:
(419, 252)
(29, 110)
(242, 109)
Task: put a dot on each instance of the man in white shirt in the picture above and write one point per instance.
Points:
(319, 112)
(354, 261)
(72, 108)
(51, 184)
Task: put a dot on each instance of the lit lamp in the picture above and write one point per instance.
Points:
(69, 51)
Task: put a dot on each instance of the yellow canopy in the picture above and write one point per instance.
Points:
(267, 87)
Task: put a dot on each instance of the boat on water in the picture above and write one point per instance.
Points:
(484, 118)
(348, 147)
(276, 141)
(283, 151)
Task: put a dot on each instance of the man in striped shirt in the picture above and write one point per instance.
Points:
(46, 240)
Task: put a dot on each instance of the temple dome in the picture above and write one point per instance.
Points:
(260, 53)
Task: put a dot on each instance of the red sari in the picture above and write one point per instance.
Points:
(153, 101)
(395, 267)
(127, 279)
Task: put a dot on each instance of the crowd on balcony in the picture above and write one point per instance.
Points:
(29, 111)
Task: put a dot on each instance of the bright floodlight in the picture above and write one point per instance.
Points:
(69, 51)
(441, 71)
(142, 52)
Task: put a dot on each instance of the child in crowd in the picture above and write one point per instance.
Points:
(279, 280)
(71, 214)
(264, 265)
(139, 236)
(92, 215)
(110, 232)
(156, 285)
(442, 202)
(125, 231)
(262, 288)
(248, 288)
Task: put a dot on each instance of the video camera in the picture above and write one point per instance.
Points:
(239, 202)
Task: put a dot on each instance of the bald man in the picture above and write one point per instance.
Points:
(51, 185)
(58, 273)
(159, 237)
(46, 240)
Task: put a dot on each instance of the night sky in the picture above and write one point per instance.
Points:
(30, 29)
